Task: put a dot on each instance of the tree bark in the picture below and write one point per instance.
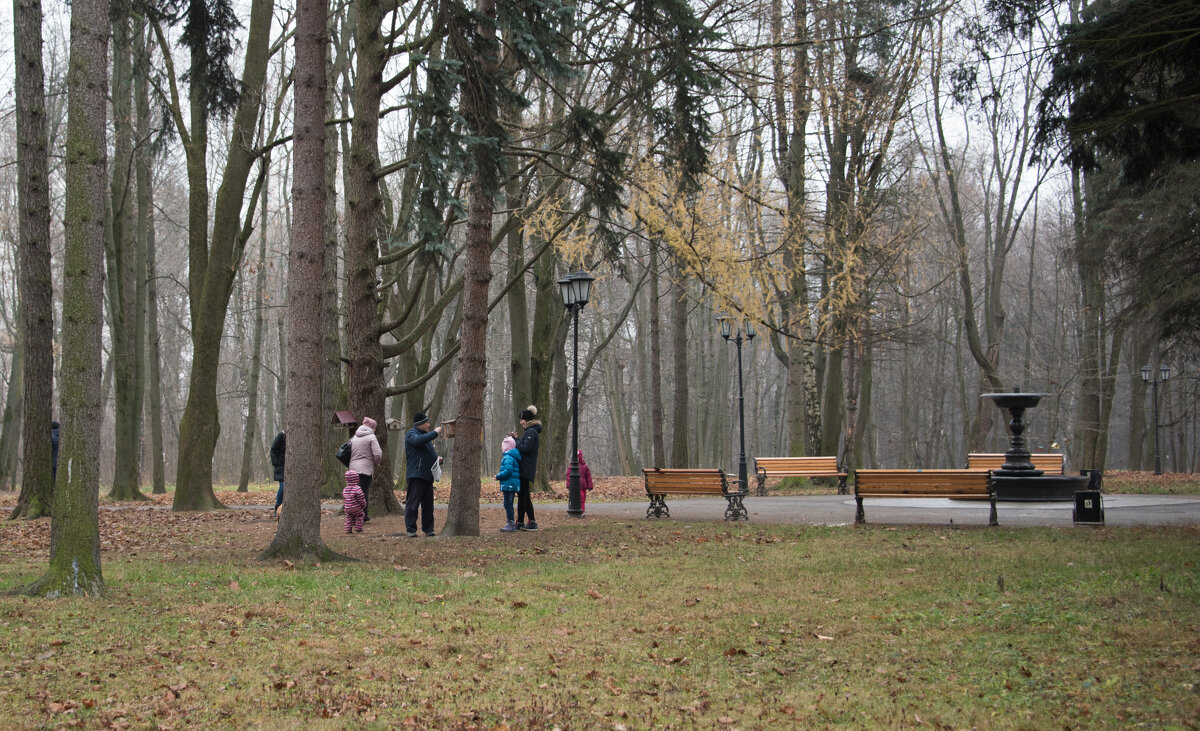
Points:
(36, 369)
(479, 108)
(657, 420)
(299, 533)
(125, 282)
(679, 401)
(143, 158)
(75, 529)
(250, 437)
(211, 268)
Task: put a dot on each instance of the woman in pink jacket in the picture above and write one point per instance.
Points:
(365, 454)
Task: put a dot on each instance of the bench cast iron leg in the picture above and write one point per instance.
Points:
(992, 518)
(658, 507)
(762, 483)
(736, 510)
(859, 517)
(842, 486)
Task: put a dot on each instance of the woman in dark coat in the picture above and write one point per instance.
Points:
(278, 452)
(527, 445)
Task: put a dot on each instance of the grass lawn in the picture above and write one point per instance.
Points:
(608, 624)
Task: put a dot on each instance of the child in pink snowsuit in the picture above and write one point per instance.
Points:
(585, 480)
(354, 504)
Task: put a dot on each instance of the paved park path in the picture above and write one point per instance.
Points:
(1119, 510)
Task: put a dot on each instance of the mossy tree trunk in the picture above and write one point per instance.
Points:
(75, 529)
(212, 265)
(34, 373)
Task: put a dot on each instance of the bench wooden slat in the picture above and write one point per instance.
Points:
(968, 484)
(661, 482)
(772, 467)
(1045, 461)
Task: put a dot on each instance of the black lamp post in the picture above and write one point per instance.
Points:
(1148, 376)
(728, 329)
(574, 289)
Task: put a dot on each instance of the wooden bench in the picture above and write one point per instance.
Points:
(970, 484)
(1049, 462)
(661, 482)
(774, 467)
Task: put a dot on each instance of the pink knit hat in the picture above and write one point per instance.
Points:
(368, 421)
(508, 443)
(351, 478)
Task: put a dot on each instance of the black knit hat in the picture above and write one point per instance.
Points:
(528, 414)
(420, 418)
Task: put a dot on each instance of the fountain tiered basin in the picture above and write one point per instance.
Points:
(1017, 479)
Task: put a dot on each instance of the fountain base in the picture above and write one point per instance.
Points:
(1043, 488)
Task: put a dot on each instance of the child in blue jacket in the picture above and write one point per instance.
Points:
(510, 479)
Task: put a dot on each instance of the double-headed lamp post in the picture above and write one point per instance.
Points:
(1148, 376)
(574, 289)
(731, 328)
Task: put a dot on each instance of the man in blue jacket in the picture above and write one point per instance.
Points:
(420, 457)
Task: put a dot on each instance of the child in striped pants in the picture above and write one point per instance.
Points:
(353, 503)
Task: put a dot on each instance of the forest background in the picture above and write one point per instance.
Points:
(868, 183)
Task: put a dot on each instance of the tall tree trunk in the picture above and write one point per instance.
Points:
(364, 204)
(658, 444)
(299, 533)
(36, 367)
(75, 529)
(151, 357)
(679, 402)
(260, 279)
(126, 323)
(1088, 261)
(333, 386)
(10, 433)
(802, 405)
(211, 268)
(479, 108)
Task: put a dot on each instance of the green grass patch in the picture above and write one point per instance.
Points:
(612, 624)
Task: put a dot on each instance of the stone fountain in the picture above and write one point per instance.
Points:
(1017, 479)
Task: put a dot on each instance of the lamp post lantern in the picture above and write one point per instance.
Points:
(731, 329)
(575, 288)
(1149, 376)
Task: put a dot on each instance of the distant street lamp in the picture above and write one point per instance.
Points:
(1148, 376)
(574, 289)
(727, 326)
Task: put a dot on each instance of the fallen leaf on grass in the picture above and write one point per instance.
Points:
(822, 637)
(594, 594)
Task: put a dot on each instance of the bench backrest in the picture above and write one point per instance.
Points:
(921, 482)
(785, 466)
(668, 481)
(1045, 461)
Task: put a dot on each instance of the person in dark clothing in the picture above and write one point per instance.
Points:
(278, 453)
(53, 452)
(527, 445)
(420, 457)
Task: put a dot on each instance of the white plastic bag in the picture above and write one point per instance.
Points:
(437, 469)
